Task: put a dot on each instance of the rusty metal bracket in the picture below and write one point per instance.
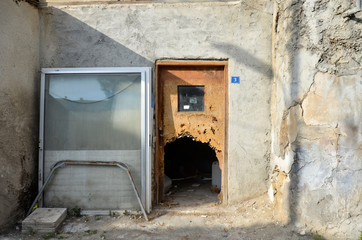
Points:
(62, 163)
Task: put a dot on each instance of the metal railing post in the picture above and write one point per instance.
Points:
(62, 163)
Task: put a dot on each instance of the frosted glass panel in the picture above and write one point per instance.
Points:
(93, 112)
(94, 117)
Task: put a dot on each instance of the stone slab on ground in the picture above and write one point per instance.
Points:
(44, 220)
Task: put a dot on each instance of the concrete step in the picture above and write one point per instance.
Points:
(44, 220)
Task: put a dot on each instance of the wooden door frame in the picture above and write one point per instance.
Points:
(158, 165)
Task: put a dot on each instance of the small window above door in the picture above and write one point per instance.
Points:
(190, 98)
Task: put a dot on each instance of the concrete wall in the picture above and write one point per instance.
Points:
(126, 35)
(316, 117)
(314, 141)
(19, 65)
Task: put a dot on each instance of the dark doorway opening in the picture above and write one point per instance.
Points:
(190, 172)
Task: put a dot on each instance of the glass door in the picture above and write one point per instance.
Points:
(95, 114)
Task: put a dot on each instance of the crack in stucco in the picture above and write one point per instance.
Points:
(328, 46)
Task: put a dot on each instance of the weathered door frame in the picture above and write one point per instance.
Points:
(158, 164)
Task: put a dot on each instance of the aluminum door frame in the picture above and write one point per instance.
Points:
(146, 121)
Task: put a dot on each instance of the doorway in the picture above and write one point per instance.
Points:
(191, 127)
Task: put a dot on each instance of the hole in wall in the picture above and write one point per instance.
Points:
(186, 157)
(192, 173)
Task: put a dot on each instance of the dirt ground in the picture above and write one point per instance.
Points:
(190, 212)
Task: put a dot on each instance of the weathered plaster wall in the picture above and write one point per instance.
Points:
(137, 35)
(19, 66)
(316, 117)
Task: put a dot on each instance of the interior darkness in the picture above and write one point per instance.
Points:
(187, 158)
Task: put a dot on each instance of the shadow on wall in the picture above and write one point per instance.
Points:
(287, 204)
(69, 42)
(322, 191)
(19, 107)
(243, 57)
(292, 44)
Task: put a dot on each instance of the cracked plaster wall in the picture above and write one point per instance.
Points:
(316, 164)
(19, 66)
(316, 103)
(127, 35)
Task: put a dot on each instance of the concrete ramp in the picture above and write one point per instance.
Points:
(44, 220)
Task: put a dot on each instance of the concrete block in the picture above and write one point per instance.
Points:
(44, 220)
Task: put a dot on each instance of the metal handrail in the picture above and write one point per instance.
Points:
(62, 163)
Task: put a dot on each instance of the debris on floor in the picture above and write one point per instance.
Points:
(198, 218)
(167, 183)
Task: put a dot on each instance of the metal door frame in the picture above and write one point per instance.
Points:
(146, 121)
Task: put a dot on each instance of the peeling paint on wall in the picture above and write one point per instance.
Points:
(316, 119)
